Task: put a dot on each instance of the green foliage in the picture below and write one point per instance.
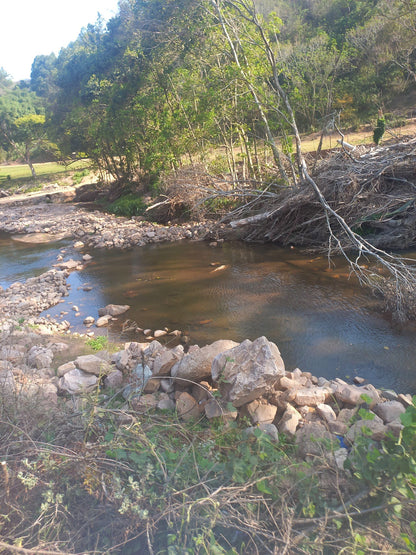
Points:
(98, 343)
(77, 176)
(128, 205)
(379, 130)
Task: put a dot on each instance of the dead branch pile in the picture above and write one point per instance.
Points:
(373, 192)
(182, 195)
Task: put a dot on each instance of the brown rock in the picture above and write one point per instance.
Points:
(187, 407)
(215, 408)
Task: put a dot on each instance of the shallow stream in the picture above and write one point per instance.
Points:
(321, 319)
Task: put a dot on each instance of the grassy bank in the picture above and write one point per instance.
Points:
(18, 177)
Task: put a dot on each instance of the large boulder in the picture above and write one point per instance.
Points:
(389, 411)
(247, 371)
(196, 365)
(76, 381)
(163, 363)
(93, 365)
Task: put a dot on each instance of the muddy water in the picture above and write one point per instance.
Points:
(321, 320)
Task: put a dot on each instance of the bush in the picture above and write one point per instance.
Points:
(128, 205)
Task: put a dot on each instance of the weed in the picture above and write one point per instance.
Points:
(98, 343)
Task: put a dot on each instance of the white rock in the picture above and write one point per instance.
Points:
(326, 412)
(289, 421)
(103, 321)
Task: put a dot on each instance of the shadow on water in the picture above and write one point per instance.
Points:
(322, 321)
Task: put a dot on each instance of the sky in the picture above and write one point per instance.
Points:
(29, 28)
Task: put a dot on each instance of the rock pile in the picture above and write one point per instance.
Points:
(34, 295)
(228, 380)
(93, 229)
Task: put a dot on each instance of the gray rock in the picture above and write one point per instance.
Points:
(196, 365)
(389, 411)
(7, 384)
(376, 430)
(166, 404)
(89, 320)
(340, 456)
(247, 371)
(93, 364)
(395, 427)
(58, 347)
(315, 440)
(39, 357)
(163, 363)
(76, 382)
(166, 385)
(114, 380)
(268, 429)
(140, 376)
(122, 360)
(113, 309)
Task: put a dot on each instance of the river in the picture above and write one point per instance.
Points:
(320, 318)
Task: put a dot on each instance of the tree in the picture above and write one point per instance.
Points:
(28, 136)
(42, 75)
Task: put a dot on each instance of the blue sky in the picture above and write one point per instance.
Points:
(33, 27)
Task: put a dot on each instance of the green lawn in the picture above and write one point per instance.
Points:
(19, 176)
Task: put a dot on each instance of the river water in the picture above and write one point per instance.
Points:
(320, 318)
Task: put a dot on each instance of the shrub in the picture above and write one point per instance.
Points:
(128, 205)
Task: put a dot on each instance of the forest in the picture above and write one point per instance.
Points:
(170, 84)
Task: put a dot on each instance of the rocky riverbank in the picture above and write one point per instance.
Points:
(93, 228)
(224, 380)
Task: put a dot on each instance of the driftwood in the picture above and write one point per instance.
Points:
(360, 204)
(374, 193)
